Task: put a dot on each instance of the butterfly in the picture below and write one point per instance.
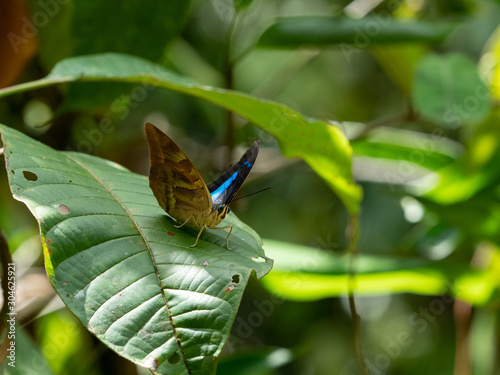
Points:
(180, 189)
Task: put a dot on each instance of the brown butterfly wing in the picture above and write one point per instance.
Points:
(174, 180)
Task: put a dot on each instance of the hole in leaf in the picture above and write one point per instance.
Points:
(64, 209)
(174, 359)
(235, 279)
(30, 176)
(258, 259)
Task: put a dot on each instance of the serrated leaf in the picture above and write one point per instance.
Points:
(323, 146)
(368, 31)
(121, 266)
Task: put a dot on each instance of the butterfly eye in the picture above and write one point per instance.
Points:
(223, 210)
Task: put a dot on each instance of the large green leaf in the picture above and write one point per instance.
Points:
(295, 32)
(323, 146)
(121, 266)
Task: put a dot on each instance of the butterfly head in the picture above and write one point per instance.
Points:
(223, 210)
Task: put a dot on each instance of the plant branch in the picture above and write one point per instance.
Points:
(353, 234)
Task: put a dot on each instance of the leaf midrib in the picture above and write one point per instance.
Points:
(169, 313)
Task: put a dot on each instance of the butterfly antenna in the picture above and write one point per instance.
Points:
(257, 192)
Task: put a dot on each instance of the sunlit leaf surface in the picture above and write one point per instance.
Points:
(121, 266)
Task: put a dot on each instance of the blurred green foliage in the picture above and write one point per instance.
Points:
(421, 115)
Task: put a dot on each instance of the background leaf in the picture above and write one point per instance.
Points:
(321, 145)
(68, 28)
(441, 96)
(307, 274)
(295, 32)
(121, 266)
(242, 4)
(28, 358)
(414, 147)
(429, 218)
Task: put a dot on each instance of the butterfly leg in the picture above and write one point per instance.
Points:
(199, 234)
(184, 223)
(227, 239)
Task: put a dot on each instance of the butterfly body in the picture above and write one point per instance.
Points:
(180, 189)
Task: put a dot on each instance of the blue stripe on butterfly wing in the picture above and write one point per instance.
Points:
(215, 194)
(224, 195)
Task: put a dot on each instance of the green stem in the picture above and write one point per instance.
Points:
(353, 234)
(32, 85)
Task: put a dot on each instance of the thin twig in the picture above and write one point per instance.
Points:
(352, 234)
(392, 120)
(462, 312)
(292, 66)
